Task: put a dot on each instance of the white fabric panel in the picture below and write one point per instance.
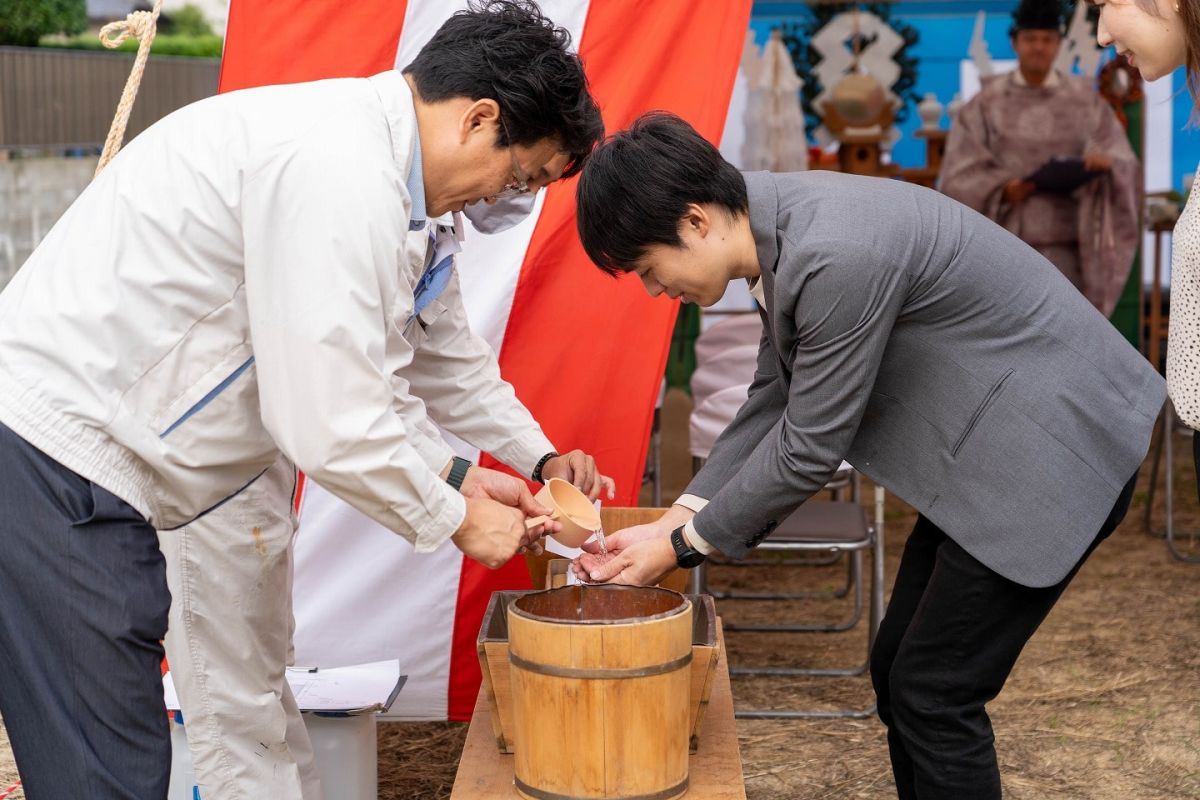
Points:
(362, 595)
(489, 267)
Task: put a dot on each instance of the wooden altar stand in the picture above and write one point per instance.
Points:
(714, 770)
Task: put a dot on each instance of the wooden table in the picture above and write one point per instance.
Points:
(714, 770)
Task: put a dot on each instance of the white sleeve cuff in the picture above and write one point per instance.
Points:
(697, 541)
(691, 502)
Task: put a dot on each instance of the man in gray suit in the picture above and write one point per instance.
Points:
(941, 356)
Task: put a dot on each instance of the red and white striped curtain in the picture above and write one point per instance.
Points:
(585, 353)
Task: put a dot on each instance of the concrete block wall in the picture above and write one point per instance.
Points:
(34, 192)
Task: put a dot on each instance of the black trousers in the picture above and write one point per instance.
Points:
(952, 632)
(83, 610)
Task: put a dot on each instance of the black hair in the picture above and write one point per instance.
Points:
(510, 52)
(1037, 15)
(636, 188)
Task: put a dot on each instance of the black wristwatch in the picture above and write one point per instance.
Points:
(686, 556)
(458, 472)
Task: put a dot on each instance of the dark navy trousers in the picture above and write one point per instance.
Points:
(83, 610)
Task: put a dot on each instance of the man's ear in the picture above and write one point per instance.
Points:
(481, 115)
(696, 220)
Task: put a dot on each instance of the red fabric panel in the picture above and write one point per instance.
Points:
(281, 42)
(586, 353)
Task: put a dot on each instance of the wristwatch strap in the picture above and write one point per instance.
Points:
(458, 472)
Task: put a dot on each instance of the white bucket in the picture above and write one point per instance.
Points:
(344, 747)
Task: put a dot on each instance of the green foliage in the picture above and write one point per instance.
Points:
(187, 21)
(24, 22)
(164, 45)
(798, 36)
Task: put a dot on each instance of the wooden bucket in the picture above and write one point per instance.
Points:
(600, 687)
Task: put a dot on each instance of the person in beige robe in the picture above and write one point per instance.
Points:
(1018, 122)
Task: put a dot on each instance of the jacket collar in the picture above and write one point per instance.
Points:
(399, 109)
(764, 218)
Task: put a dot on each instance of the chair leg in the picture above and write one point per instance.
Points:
(827, 594)
(1169, 534)
(1165, 450)
(1160, 438)
(856, 564)
(811, 672)
(878, 561)
(656, 455)
(822, 561)
(698, 580)
(755, 713)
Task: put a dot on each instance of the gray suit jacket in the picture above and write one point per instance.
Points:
(941, 356)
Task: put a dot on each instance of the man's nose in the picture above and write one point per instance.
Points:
(653, 287)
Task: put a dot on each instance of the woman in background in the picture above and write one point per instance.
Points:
(1158, 37)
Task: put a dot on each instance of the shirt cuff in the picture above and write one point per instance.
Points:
(698, 542)
(523, 453)
(449, 512)
(692, 502)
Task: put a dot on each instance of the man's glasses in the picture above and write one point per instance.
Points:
(519, 184)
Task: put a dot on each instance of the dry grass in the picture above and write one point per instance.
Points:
(1103, 705)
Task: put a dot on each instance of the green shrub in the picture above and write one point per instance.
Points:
(165, 44)
(24, 22)
(187, 21)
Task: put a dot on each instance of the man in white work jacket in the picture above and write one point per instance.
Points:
(247, 280)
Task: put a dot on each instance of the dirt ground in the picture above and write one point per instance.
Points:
(1103, 705)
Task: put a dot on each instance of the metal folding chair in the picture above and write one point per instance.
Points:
(820, 526)
(837, 528)
(1169, 425)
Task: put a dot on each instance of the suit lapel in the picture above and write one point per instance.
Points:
(764, 224)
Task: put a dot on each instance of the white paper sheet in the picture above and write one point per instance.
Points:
(348, 690)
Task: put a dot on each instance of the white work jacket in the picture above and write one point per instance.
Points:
(239, 282)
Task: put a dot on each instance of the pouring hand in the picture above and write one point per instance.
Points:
(481, 482)
(579, 468)
(490, 533)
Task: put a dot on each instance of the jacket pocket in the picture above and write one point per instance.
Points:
(208, 397)
(990, 398)
(415, 329)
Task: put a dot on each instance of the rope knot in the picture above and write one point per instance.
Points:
(137, 24)
(140, 25)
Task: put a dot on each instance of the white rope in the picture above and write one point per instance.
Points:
(142, 26)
